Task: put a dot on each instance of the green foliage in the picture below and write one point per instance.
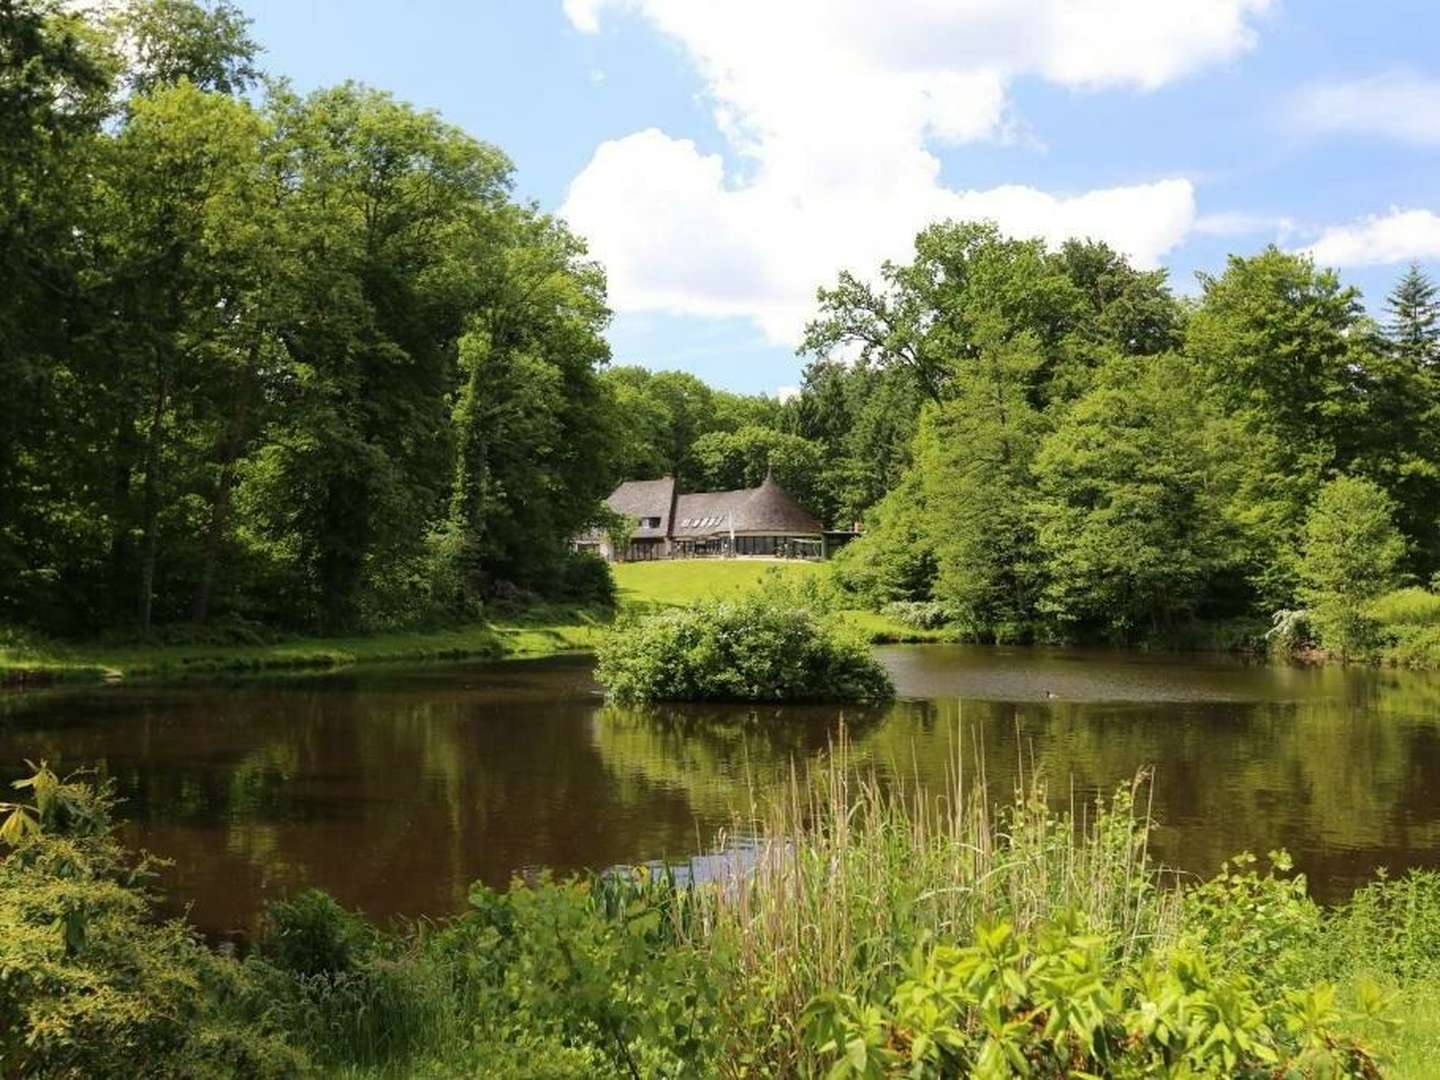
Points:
(868, 932)
(1389, 929)
(975, 454)
(1289, 632)
(752, 648)
(894, 558)
(1060, 1001)
(657, 418)
(921, 614)
(1406, 624)
(324, 373)
(92, 982)
(1351, 557)
(1099, 464)
(310, 934)
(1264, 925)
(1128, 521)
(208, 44)
(598, 961)
(617, 529)
(1414, 324)
(1406, 607)
(743, 458)
(1417, 647)
(585, 579)
(863, 416)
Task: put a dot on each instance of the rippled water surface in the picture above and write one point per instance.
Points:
(395, 789)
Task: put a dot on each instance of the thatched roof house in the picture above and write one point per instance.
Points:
(762, 520)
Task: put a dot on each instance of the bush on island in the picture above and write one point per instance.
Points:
(752, 648)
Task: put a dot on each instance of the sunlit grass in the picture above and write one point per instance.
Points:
(680, 581)
(542, 631)
(58, 661)
(841, 876)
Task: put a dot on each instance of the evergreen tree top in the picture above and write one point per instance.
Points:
(1414, 323)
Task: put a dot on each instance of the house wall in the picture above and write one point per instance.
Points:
(645, 550)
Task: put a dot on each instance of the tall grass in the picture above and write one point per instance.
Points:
(1407, 607)
(1409, 627)
(838, 881)
(835, 878)
(829, 881)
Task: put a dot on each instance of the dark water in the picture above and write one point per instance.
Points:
(395, 790)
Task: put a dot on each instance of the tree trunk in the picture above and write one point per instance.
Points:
(229, 450)
(125, 452)
(150, 534)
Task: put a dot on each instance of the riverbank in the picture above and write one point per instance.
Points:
(539, 633)
(542, 631)
(968, 931)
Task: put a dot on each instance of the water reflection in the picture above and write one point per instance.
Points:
(395, 790)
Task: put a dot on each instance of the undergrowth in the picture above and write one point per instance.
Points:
(856, 927)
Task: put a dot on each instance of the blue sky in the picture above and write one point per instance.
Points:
(724, 159)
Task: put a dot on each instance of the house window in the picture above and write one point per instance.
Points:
(650, 522)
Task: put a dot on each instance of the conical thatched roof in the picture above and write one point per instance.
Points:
(766, 509)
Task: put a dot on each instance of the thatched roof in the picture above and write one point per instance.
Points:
(763, 510)
(646, 499)
(766, 509)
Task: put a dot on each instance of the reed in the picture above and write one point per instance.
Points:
(838, 875)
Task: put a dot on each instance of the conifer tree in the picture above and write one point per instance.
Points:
(1414, 324)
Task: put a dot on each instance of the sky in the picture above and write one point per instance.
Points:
(725, 158)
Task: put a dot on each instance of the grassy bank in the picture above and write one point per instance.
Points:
(540, 632)
(666, 584)
(536, 634)
(868, 932)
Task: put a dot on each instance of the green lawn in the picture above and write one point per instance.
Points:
(547, 630)
(660, 584)
(685, 580)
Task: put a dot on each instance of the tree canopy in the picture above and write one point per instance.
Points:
(1099, 460)
(300, 360)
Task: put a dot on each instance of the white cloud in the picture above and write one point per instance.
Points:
(830, 109)
(1398, 236)
(1238, 223)
(785, 393)
(1398, 105)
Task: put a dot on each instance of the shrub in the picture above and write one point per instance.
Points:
(1351, 555)
(1264, 925)
(746, 649)
(1407, 607)
(1408, 624)
(921, 614)
(1062, 1001)
(92, 984)
(1289, 631)
(1416, 646)
(311, 934)
(1388, 928)
(586, 579)
(894, 559)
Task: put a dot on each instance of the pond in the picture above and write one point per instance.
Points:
(395, 789)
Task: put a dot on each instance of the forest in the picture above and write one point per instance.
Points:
(305, 363)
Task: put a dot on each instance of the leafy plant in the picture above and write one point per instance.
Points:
(1264, 924)
(1061, 1001)
(1351, 558)
(921, 614)
(92, 982)
(748, 649)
